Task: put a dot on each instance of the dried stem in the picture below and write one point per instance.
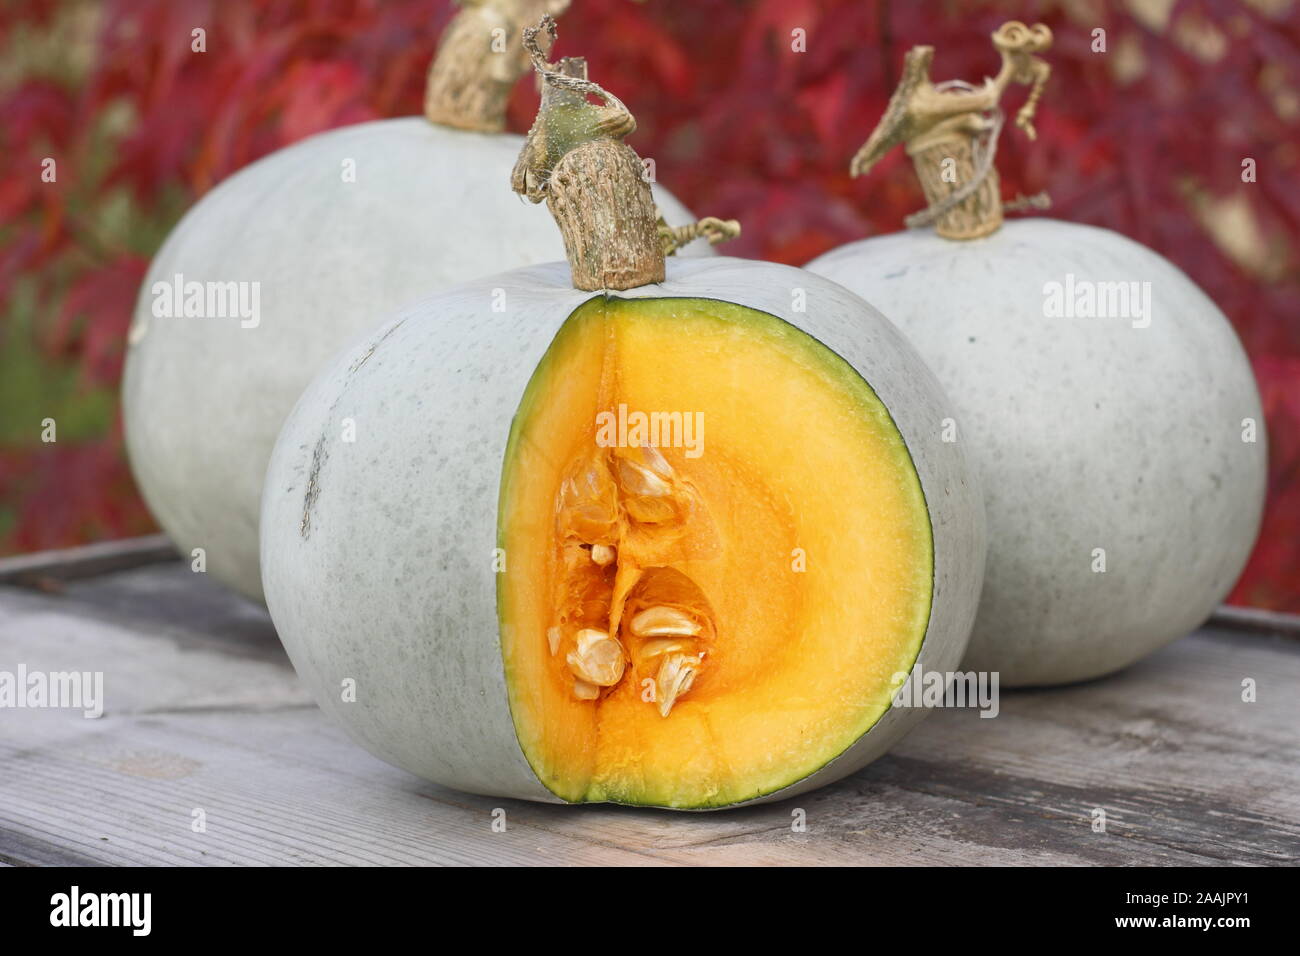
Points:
(594, 184)
(479, 60)
(951, 131)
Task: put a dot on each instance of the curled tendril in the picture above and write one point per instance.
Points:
(547, 25)
(625, 123)
(716, 231)
(1014, 37)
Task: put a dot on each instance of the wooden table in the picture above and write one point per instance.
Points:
(204, 713)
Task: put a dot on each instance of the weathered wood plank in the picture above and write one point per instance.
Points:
(189, 728)
(44, 569)
(172, 602)
(204, 712)
(1256, 619)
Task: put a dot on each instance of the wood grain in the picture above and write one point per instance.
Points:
(99, 558)
(205, 713)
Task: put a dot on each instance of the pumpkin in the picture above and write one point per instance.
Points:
(286, 261)
(1107, 401)
(619, 530)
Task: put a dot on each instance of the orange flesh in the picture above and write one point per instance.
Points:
(808, 539)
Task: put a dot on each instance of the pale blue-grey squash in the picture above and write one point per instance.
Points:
(1107, 402)
(491, 586)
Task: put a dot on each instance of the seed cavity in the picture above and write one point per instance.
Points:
(623, 518)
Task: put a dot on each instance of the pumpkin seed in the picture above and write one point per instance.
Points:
(676, 675)
(597, 659)
(656, 648)
(656, 462)
(664, 621)
(637, 479)
(648, 510)
(589, 502)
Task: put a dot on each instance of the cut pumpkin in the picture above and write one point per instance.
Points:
(698, 626)
(682, 618)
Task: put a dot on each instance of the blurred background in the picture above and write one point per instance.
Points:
(1147, 138)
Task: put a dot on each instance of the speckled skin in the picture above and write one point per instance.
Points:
(204, 398)
(393, 583)
(1089, 433)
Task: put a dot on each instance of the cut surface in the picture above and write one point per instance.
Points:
(704, 615)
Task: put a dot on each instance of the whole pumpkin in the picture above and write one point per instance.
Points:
(286, 261)
(1107, 401)
(674, 537)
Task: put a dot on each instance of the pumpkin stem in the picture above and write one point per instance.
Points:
(594, 184)
(479, 60)
(951, 131)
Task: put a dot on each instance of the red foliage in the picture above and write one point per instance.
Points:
(739, 123)
(71, 493)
